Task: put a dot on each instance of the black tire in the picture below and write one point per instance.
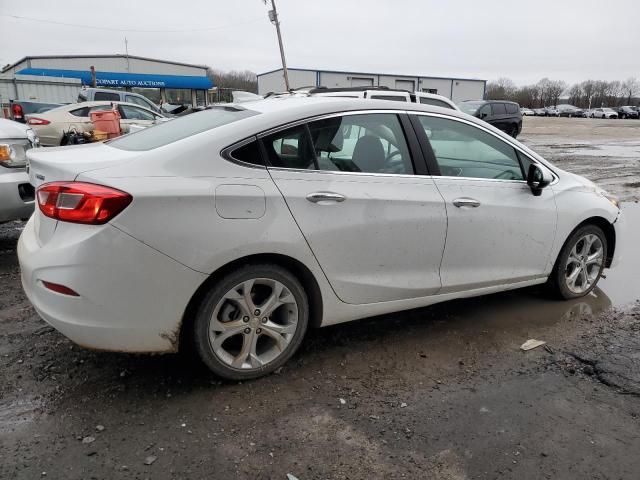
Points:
(203, 318)
(557, 282)
(513, 131)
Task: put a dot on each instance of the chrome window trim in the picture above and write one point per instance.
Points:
(395, 111)
(340, 172)
(484, 129)
(272, 130)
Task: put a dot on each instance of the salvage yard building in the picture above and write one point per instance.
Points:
(457, 89)
(58, 79)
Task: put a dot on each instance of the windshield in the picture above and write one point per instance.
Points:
(183, 127)
(470, 107)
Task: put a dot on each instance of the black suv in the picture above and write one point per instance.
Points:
(627, 112)
(501, 114)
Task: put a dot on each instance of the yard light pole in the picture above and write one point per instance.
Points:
(273, 17)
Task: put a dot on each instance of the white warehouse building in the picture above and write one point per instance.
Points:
(457, 89)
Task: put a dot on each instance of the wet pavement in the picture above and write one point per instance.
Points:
(442, 393)
(605, 151)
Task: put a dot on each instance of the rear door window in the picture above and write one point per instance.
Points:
(512, 108)
(498, 109)
(368, 143)
(80, 112)
(134, 113)
(290, 148)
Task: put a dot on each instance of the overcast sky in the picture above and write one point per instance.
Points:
(521, 39)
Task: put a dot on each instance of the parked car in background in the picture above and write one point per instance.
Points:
(527, 112)
(16, 193)
(103, 94)
(539, 112)
(551, 112)
(570, 111)
(235, 213)
(604, 113)
(501, 114)
(18, 109)
(383, 93)
(52, 126)
(627, 112)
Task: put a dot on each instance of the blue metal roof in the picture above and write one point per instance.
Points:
(115, 79)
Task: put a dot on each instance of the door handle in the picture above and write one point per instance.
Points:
(325, 197)
(466, 202)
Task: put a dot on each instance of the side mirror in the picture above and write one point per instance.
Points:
(537, 179)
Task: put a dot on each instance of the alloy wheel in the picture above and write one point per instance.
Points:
(584, 263)
(253, 323)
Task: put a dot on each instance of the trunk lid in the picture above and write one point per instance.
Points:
(46, 165)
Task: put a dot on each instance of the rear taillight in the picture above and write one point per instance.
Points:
(17, 111)
(37, 121)
(80, 202)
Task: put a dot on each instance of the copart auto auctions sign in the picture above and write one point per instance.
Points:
(129, 83)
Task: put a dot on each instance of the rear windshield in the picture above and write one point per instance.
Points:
(179, 128)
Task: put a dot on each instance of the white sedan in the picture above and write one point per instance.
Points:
(52, 125)
(238, 228)
(603, 113)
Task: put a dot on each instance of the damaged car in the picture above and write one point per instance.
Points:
(236, 229)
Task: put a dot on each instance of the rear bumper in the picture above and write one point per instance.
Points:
(12, 204)
(131, 297)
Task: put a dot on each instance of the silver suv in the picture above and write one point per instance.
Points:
(16, 193)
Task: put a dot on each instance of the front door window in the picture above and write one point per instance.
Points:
(462, 150)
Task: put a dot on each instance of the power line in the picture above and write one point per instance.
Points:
(219, 27)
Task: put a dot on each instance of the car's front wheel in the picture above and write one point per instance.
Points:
(580, 263)
(251, 322)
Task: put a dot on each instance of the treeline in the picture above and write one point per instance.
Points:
(587, 94)
(235, 80)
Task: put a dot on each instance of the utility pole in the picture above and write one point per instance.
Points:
(273, 17)
(126, 50)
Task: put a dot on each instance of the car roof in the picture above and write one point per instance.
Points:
(318, 105)
(284, 109)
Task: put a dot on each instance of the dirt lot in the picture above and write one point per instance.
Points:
(439, 393)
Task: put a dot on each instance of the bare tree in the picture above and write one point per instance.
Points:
(631, 88)
(555, 88)
(237, 80)
(501, 89)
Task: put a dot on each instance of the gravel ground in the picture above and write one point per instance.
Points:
(441, 392)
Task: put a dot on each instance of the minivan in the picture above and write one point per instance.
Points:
(501, 114)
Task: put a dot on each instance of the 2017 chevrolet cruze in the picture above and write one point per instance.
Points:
(237, 228)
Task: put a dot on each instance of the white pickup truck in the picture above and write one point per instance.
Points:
(16, 193)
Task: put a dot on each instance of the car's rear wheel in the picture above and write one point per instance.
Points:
(580, 263)
(251, 322)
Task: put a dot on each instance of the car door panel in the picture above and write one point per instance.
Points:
(498, 231)
(383, 242)
(377, 236)
(507, 238)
